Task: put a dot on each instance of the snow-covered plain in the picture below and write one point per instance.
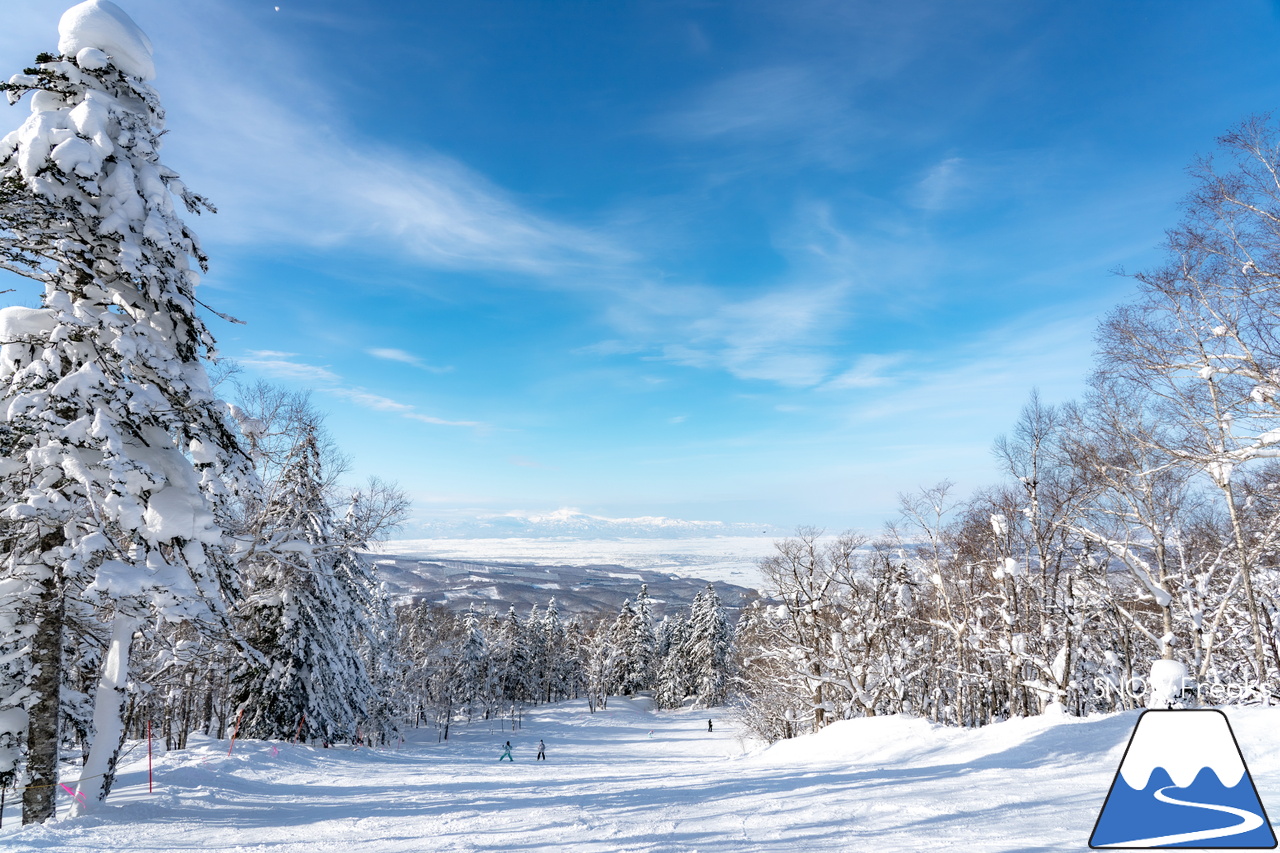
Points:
(733, 559)
(628, 779)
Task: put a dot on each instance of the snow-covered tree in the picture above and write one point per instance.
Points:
(372, 628)
(1200, 341)
(631, 644)
(474, 671)
(119, 455)
(707, 648)
(808, 575)
(306, 611)
(513, 664)
(642, 642)
(672, 680)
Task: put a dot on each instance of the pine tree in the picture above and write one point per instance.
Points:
(474, 670)
(707, 647)
(672, 681)
(119, 455)
(558, 669)
(642, 644)
(513, 662)
(305, 611)
(623, 670)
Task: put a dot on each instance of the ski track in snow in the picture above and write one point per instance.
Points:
(882, 784)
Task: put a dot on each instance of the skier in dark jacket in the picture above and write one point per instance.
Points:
(542, 751)
(506, 753)
(709, 726)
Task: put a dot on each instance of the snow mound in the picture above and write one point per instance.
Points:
(103, 25)
(18, 323)
(20, 329)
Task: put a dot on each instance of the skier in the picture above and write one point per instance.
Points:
(709, 725)
(506, 753)
(542, 751)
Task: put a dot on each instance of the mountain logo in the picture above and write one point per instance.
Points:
(1183, 783)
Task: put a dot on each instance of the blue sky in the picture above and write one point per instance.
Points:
(746, 261)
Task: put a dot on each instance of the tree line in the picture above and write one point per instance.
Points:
(1138, 523)
(486, 666)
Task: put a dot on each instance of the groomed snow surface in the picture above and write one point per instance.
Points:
(629, 779)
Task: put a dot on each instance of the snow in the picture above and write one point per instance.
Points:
(1168, 679)
(628, 779)
(1183, 743)
(732, 559)
(18, 327)
(103, 25)
(13, 719)
(177, 513)
(17, 322)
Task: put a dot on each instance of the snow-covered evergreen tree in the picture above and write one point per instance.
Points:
(474, 670)
(306, 610)
(671, 681)
(558, 674)
(642, 644)
(707, 648)
(118, 453)
(626, 662)
(513, 663)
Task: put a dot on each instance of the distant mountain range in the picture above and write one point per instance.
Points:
(572, 523)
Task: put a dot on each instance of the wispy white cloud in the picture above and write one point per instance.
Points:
(760, 101)
(282, 368)
(995, 369)
(325, 380)
(941, 185)
(609, 347)
(867, 372)
(797, 108)
(370, 401)
(782, 335)
(390, 354)
(430, 419)
(288, 168)
(786, 333)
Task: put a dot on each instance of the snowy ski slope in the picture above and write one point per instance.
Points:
(627, 779)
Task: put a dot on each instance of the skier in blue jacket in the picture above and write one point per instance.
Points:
(506, 753)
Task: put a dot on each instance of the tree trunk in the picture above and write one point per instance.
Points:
(108, 715)
(1251, 601)
(819, 710)
(38, 800)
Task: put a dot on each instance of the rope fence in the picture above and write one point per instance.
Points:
(68, 785)
(71, 785)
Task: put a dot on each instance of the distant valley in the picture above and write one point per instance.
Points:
(578, 590)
